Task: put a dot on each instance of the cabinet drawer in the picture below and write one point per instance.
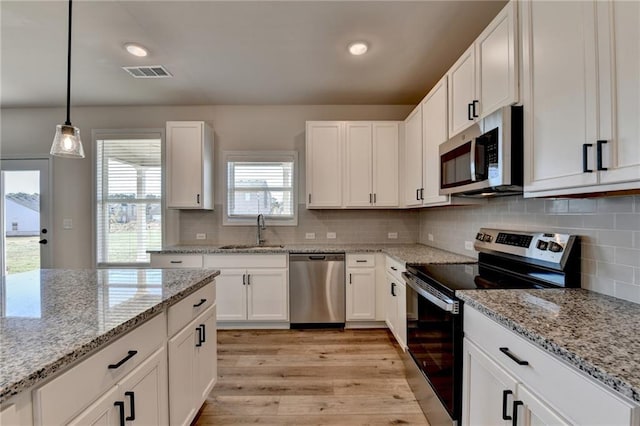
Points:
(236, 260)
(190, 307)
(394, 268)
(361, 260)
(66, 395)
(572, 394)
(176, 261)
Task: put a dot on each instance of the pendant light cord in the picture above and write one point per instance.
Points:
(68, 122)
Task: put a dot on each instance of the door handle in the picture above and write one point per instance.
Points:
(370, 198)
(516, 404)
(585, 163)
(505, 393)
(517, 360)
(393, 287)
(418, 194)
(198, 198)
(474, 103)
(43, 241)
(117, 365)
(599, 155)
(132, 405)
(200, 303)
(350, 279)
(244, 279)
(120, 405)
(469, 112)
(199, 330)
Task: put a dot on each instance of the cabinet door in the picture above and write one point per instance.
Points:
(324, 147)
(182, 375)
(621, 154)
(184, 164)
(361, 294)
(560, 93)
(267, 295)
(358, 171)
(412, 159)
(231, 295)
(486, 389)
(103, 412)
(434, 125)
(461, 78)
(534, 412)
(144, 391)
(496, 65)
(385, 164)
(401, 323)
(206, 356)
(392, 304)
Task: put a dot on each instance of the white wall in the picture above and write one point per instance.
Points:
(29, 132)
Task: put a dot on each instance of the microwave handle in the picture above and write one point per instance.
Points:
(472, 163)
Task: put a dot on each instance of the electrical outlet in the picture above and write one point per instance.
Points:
(392, 235)
(310, 236)
(430, 237)
(468, 245)
(201, 236)
(331, 235)
(67, 224)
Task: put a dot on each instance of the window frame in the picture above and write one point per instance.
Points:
(122, 134)
(260, 156)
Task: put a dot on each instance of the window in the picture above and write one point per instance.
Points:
(128, 197)
(261, 183)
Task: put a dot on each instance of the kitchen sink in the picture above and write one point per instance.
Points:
(249, 247)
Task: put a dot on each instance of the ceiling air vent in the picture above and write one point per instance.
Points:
(152, 71)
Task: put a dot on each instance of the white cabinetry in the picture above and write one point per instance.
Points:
(324, 145)
(507, 380)
(189, 165)
(412, 159)
(251, 287)
(361, 287)
(178, 261)
(396, 309)
(581, 96)
(484, 78)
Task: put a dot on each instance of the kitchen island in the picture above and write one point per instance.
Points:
(53, 320)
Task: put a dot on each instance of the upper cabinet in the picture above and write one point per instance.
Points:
(412, 159)
(352, 164)
(324, 144)
(189, 164)
(484, 78)
(581, 62)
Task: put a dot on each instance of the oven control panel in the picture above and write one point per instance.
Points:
(541, 246)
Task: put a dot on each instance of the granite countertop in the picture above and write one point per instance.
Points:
(50, 318)
(595, 333)
(408, 253)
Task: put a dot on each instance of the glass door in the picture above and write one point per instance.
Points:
(25, 215)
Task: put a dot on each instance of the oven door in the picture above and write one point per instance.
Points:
(434, 341)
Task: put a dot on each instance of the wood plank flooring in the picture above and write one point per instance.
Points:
(310, 377)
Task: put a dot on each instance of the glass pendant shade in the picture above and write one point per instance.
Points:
(67, 142)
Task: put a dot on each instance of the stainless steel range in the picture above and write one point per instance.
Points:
(506, 259)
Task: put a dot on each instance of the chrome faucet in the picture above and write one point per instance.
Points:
(261, 227)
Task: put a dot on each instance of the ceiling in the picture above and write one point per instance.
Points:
(234, 52)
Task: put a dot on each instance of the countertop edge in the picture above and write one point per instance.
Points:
(614, 383)
(85, 350)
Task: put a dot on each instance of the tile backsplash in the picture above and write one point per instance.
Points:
(609, 229)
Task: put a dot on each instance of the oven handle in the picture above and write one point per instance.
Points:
(472, 163)
(432, 295)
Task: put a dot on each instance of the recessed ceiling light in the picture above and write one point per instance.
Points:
(358, 48)
(136, 49)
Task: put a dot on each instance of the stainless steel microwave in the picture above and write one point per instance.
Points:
(486, 159)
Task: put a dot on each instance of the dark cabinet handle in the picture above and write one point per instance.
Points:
(317, 257)
(350, 282)
(422, 194)
(361, 260)
(120, 405)
(394, 268)
(505, 393)
(198, 198)
(199, 330)
(469, 112)
(244, 279)
(585, 163)
(176, 261)
(599, 155)
(248, 279)
(204, 333)
(513, 357)
(516, 404)
(200, 303)
(393, 287)
(132, 405)
(375, 199)
(309, 198)
(418, 194)
(370, 198)
(43, 241)
(475, 103)
(130, 355)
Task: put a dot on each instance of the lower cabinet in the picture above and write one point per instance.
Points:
(397, 309)
(361, 287)
(499, 388)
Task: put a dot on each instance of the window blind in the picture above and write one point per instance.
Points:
(129, 200)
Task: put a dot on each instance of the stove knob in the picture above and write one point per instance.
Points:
(487, 238)
(479, 236)
(542, 245)
(555, 247)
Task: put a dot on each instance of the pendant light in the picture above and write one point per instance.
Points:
(66, 142)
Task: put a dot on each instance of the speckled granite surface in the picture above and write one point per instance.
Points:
(597, 334)
(50, 318)
(408, 253)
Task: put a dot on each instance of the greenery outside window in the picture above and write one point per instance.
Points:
(261, 183)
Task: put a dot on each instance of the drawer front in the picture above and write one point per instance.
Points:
(394, 267)
(190, 307)
(235, 260)
(571, 393)
(65, 396)
(176, 261)
(361, 260)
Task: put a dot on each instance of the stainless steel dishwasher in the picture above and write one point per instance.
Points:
(316, 290)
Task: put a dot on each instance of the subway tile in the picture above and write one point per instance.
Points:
(601, 253)
(615, 272)
(535, 205)
(588, 266)
(615, 204)
(636, 239)
(629, 222)
(598, 284)
(569, 221)
(598, 221)
(557, 206)
(615, 238)
(626, 291)
(625, 256)
(582, 205)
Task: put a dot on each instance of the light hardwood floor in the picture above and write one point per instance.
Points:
(310, 377)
